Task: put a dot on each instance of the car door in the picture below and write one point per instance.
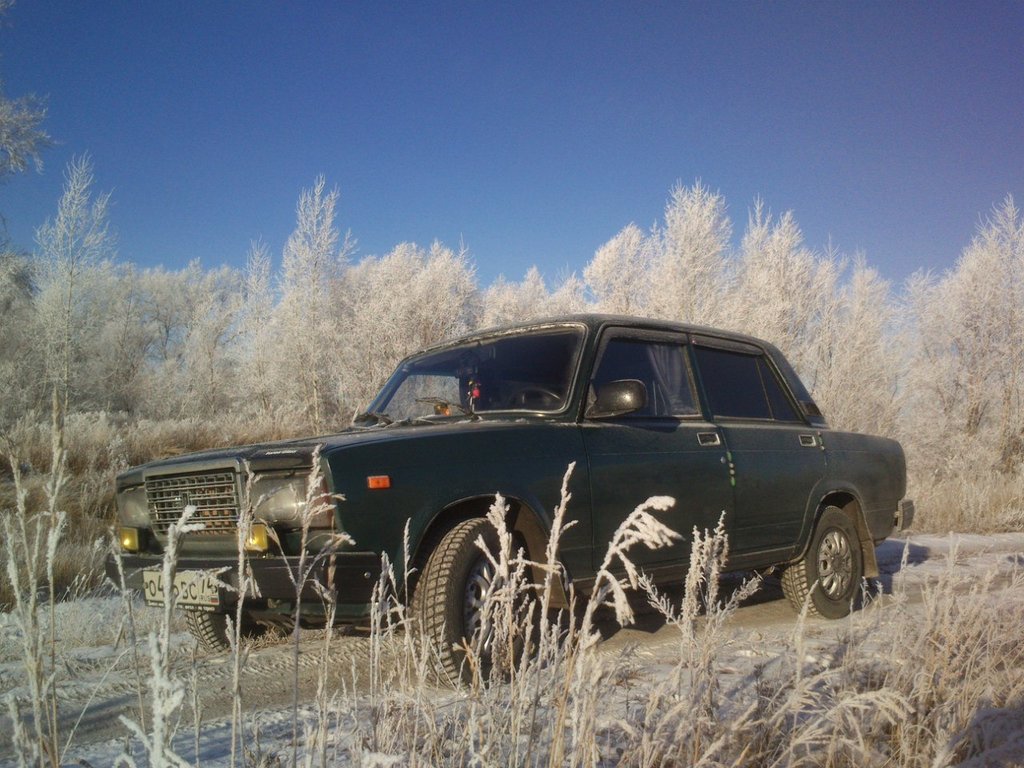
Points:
(664, 448)
(775, 457)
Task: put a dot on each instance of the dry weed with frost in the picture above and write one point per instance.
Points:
(930, 684)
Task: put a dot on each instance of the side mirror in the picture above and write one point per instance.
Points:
(618, 398)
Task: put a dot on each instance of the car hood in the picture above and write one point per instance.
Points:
(298, 453)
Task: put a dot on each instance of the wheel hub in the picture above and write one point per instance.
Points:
(835, 564)
(479, 584)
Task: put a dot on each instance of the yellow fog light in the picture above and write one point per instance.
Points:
(258, 539)
(129, 538)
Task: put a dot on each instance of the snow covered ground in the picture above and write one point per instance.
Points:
(103, 677)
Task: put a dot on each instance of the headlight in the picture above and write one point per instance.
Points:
(282, 499)
(129, 538)
(258, 539)
(132, 507)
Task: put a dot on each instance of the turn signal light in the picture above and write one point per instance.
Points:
(378, 482)
(129, 538)
(258, 539)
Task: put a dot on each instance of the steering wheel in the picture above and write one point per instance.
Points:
(533, 396)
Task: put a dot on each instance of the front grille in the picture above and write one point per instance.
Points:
(213, 494)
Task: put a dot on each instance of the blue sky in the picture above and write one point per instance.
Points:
(533, 132)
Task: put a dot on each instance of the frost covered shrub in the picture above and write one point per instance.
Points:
(972, 500)
(29, 537)
(965, 687)
(903, 689)
(77, 567)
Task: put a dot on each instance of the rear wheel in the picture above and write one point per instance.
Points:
(211, 629)
(831, 571)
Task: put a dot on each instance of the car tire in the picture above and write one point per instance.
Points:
(211, 629)
(828, 577)
(449, 595)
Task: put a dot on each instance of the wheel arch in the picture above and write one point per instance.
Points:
(525, 523)
(848, 503)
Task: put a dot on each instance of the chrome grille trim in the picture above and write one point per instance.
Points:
(214, 495)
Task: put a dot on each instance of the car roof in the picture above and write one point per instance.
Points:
(595, 321)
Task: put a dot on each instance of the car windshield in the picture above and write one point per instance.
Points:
(525, 372)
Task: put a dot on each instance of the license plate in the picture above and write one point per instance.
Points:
(193, 589)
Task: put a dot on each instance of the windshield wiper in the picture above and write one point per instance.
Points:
(377, 418)
(444, 407)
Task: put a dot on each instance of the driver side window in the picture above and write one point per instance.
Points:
(662, 368)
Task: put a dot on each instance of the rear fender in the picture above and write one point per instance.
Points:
(848, 503)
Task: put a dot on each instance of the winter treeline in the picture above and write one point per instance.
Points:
(301, 346)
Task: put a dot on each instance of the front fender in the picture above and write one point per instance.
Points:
(433, 470)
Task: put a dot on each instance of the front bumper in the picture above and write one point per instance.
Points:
(350, 576)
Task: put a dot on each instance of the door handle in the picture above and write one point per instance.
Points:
(808, 441)
(709, 438)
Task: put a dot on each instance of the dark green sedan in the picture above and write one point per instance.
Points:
(716, 420)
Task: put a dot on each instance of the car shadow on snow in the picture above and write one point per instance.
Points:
(648, 619)
(893, 555)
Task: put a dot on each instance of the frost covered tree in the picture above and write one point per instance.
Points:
(15, 283)
(165, 311)
(19, 365)
(781, 287)
(164, 295)
(22, 140)
(190, 320)
(690, 274)
(619, 275)
(72, 250)
(208, 349)
(22, 137)
(853, 366)
(399, 303)
(570, 297)
(305, 318)
(255, 329)
(504, 302)
(967, 369)
(115, 355)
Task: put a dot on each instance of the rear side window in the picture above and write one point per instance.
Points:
(742, 386)
(782, 409)
(662, 368)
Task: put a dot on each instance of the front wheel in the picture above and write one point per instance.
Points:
(831, 571)
(449, 601)
(211, 629)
